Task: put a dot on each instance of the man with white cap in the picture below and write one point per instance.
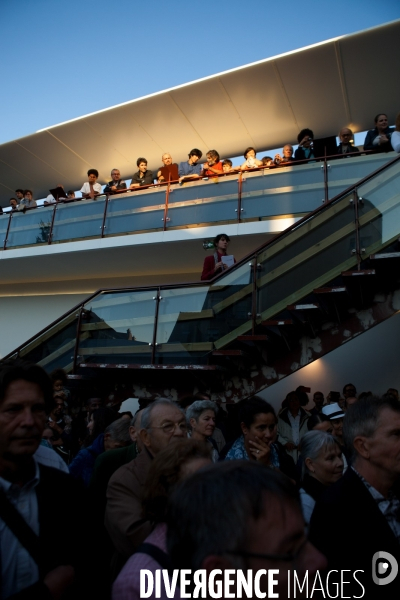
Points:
(335, 415)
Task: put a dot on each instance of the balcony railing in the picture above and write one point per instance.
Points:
(233, 198)
(186, 324)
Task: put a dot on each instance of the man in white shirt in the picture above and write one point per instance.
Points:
(90, 188)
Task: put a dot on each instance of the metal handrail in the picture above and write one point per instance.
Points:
(168, 190)
(158, 288)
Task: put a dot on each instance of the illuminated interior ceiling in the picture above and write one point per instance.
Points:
(343, 81)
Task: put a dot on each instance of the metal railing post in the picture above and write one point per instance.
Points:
(357, 224)
(103, 226)
(167, 192)
(8, 229)
(52, 224)
(76, 348)
(326, 179)
(157, 299)
(240, 183)
(254, 299)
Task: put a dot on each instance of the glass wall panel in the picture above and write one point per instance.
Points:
(344, 172)
(209, 202)
(306, 258)
(117, 327)
(30, 228)
(3, 228)
(78, 220)
(379, 210)
(284, 191)
(136, 212)
(179, 328)
(55, 348)
(192, 322)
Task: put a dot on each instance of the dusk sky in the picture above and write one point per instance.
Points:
(61, 60)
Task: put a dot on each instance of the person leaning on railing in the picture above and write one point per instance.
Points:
(346, 142)
(213, 166)
(27, 201)
(395, 139)
(13, 203)
(189, 169)
(90, 188)
(116, 183)
(251, 161)
(169, 171)
(378, 139)
(287, 155)
(143, 176)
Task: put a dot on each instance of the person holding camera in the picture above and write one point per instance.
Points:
(305, 151)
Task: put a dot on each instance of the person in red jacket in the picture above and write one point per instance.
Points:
(213, 264)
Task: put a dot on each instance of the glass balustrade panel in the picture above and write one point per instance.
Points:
(4, 220)
(379, 210)
(344, 172)
(78, 220)
(31, 227)
(306, 258)
(138, 211)
(194, 321)
(212, 201)
(117, 328)
(55, 348)
(295, 190)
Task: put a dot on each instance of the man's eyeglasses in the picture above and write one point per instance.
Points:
(170, 427)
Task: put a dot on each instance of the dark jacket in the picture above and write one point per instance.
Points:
(83, 464)
(62, 514)
(300, 154)
(371, 135)
(121, 185)
(349, 149)
(105, 466)
(147, 178)
(348, 528)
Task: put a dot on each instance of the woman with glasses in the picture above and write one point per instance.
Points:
(200, 418)
(258, 441)
(322, 465)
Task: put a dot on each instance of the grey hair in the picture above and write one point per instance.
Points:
(197, 408)
(198, 522)
(135, 417)
(146, 415)
(362, 419)
(312, 444)
(119, 431)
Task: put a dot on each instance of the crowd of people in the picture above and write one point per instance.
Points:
(92, 495)
(381, 138)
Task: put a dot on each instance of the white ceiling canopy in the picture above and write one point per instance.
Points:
(341, 82)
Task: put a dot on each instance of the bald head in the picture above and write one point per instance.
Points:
(167, 159)
(345, 135)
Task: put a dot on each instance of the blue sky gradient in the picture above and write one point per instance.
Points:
(61, 60)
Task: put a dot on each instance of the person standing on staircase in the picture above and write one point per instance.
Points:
(216, 263)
